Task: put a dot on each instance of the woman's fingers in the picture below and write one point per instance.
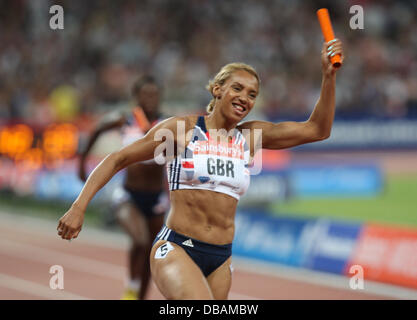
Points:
(70, 223)
(76, 234)
(63, 232)
(60, 225)
(330, 50)
(60, 229)
(334, 47)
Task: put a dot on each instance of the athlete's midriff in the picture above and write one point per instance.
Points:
(203, 215)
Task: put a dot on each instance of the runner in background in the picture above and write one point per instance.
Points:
(141, 203)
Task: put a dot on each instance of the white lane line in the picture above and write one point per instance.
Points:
(239, 296)
(53, 257)
(36, 289)
(322, 279)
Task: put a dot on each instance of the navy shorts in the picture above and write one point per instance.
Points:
(145, 201)
(208, 257)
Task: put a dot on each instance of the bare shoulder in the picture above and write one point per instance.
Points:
(173, 123)
(254, 124)
(254, 133)
(177, 129)
(244, 125)
(190, 122)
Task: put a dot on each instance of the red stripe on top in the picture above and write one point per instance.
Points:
(188, 165)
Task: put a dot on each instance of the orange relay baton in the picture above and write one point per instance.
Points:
(327, 30)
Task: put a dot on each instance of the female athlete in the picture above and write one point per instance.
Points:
(139, 206)
(191, 255)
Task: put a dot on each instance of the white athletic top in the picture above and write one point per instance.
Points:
(209, 165)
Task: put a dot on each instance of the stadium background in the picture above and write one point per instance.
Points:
(321, 208)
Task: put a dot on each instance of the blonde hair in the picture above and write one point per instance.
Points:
(223, 75)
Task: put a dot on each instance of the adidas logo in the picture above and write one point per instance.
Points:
(188, 243)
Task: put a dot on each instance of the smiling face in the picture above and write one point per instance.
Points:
(237, 96)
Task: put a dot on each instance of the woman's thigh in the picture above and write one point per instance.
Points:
(176, 275)
(133, 221)
(220, 280)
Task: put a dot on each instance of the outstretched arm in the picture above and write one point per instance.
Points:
(143, 149)
(318, 126)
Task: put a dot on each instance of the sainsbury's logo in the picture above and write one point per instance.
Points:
(219, 149)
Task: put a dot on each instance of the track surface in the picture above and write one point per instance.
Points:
(95, 268)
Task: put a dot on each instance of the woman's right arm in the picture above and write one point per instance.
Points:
(143, 149)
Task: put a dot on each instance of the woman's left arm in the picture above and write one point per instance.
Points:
(318, 126)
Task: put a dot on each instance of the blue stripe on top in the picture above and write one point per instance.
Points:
(201, 123)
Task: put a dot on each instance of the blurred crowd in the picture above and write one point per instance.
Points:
(88, 67)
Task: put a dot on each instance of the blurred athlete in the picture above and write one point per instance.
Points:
(191, 255)
(141, 203)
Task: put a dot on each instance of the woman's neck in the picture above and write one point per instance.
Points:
(215, 120)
